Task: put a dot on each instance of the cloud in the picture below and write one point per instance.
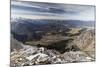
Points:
(48, 10)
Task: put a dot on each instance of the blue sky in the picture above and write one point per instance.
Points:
(36, 10)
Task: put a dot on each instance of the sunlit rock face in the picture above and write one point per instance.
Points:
(86, 42)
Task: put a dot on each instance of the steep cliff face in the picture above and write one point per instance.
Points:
(86, 40)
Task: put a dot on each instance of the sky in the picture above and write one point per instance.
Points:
(37, 10)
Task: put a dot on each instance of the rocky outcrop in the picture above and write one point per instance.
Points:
(77, 56)
(80, 49)
(86, 40)
(32, 55)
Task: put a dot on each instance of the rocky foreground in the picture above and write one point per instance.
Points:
(25, 55)
(32, 55)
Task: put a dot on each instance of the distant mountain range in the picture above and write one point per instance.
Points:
(22, 26)
(71, 23)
